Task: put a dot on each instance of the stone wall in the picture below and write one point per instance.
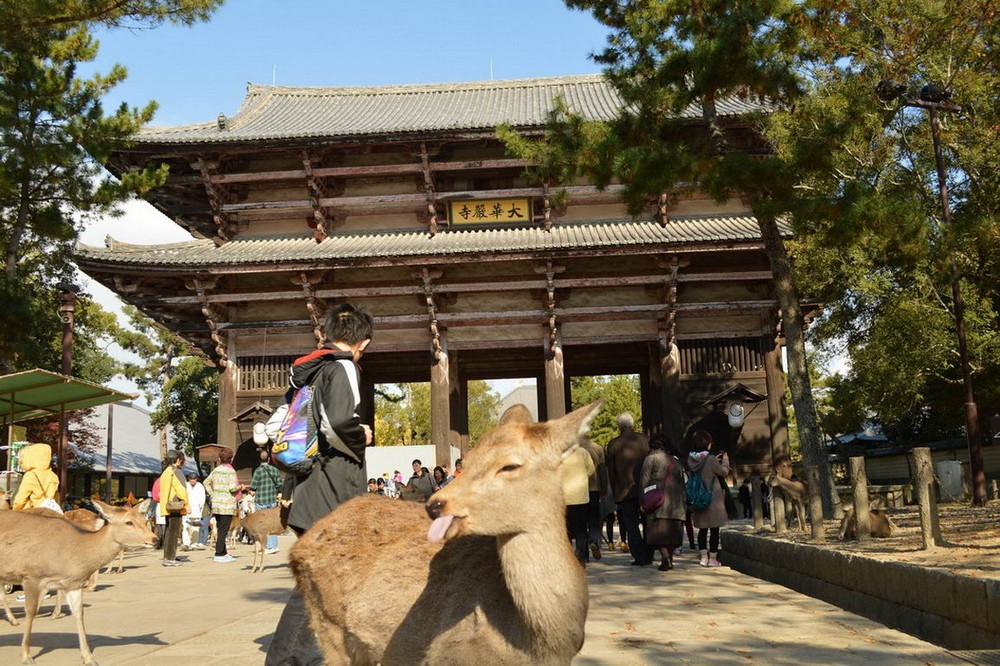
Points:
(956, 612)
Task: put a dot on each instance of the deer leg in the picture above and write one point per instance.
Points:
(57, 611)
(6, 609)
(32, 600)
(75, 599)
(120, 567)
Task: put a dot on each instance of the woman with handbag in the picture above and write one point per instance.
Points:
(662, 481)
(173, 505)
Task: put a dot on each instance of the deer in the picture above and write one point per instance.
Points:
(494, 581)
(880, 525)
(260, 524)
(42, 553)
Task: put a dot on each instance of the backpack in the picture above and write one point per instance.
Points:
(292, 428)
(699, 496)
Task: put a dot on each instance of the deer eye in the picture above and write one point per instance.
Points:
(510, 468)
(129, 523)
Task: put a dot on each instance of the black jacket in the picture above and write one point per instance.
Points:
(335, 400)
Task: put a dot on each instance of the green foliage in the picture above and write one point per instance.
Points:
(403, 412)
(54, 137)
(620, 394)
(156, 347)
(873, 243)
(190, 404)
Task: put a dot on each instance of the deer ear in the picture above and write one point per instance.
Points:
(565, 432)
(516, 414)
(102, 509)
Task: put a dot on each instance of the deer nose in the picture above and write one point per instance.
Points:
(434, 509)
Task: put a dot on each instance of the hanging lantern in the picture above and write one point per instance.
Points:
(259, 436)
(736, 414)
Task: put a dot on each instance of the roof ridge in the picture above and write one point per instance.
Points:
(394, 89)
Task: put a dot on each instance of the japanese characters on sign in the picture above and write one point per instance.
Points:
(489, 211)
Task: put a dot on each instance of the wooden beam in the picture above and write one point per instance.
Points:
(499, 318)
(367, 171)
(578, 194)
(376, 290)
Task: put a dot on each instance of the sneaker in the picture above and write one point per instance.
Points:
(199, 546)
(20, 597)
(679, 551)
(170, 563)
(271, 551)
(595, 550)
(223, 558)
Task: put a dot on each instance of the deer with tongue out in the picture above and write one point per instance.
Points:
(495, 580)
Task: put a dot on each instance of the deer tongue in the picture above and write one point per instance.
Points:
(439, 528)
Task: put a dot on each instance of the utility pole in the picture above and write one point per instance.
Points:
(935, 99)
(67, 313)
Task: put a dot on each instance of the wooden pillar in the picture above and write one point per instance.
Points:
(651, 388)
(862, 515)
(458, 400)
(777, 417)
(440, 404)
(229, 381)
(930, 526)
(366, 410)
(542, 399)
(555, 382)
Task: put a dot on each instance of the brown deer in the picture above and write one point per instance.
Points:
(260, 524)
(42, 553)
(880, 525)
(493, 581)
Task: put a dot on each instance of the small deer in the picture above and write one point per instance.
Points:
(880, 525)
(260, 524)
(494, 581)
(42, 553)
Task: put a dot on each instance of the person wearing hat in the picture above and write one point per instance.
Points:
(194, 521)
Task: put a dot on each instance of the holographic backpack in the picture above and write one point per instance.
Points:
(292, 428)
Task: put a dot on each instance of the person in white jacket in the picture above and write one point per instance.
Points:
(191, 530)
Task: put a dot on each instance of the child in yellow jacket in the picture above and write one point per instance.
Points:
(39, 482)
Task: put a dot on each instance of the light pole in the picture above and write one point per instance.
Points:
(935, 99)
(67, 313)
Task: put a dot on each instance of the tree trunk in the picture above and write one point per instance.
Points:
(798, 372)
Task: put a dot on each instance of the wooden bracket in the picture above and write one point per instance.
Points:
(201, 287)
(427, 277)
(217, 198)
(315, 306)
(429, 190)
(321, 220)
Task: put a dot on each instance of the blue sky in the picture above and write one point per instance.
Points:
(195, 73)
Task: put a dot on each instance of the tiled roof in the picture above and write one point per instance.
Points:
(595, 235)
(282, 112)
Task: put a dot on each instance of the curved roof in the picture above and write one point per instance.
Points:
(604, 234)
(283, 112)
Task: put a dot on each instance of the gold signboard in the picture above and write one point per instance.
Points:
(489, 211)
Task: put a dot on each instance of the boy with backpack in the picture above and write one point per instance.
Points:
(338, 470)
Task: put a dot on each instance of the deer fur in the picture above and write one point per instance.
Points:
(260, 524)
(493, 581)
(41, 553)
(879, 524)
(5, 500)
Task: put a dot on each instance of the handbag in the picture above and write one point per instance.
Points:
(175, 505)
(652, 498)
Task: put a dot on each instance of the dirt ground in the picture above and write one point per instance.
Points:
(971, 540)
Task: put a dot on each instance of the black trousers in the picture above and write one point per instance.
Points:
(630, 520)
(222, 523)
(576, 528)
(294, 643)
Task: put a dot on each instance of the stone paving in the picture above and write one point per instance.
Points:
(204, 613)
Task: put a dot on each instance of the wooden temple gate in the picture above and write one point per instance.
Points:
(401, 200)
